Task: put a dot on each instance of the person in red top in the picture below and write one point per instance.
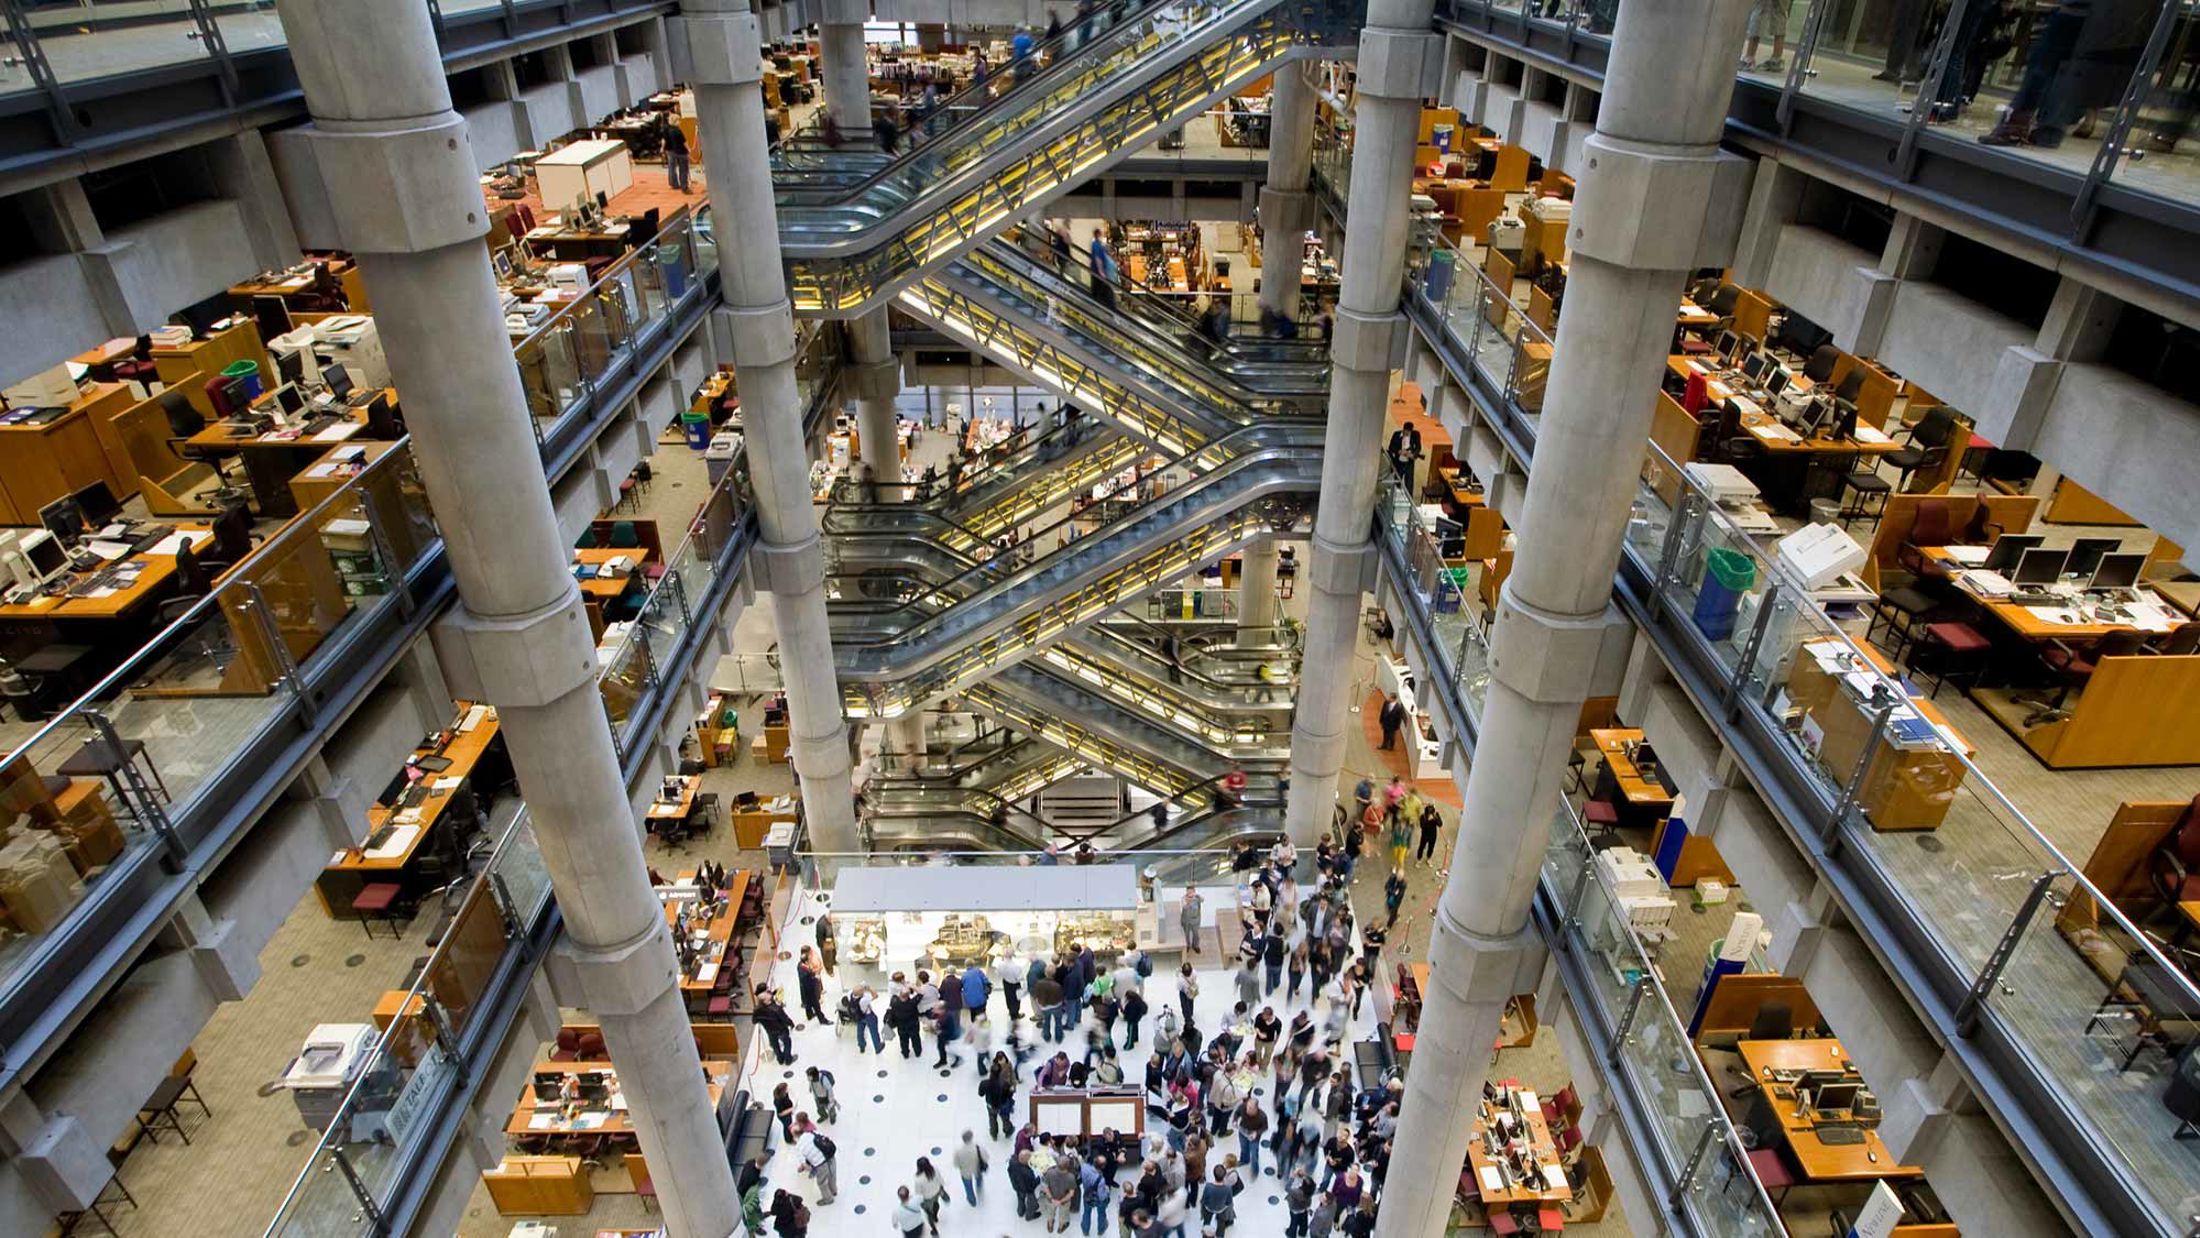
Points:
(1233, 787)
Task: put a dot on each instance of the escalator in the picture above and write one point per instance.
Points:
(847, 244)
(1008, 485)
(897, 645)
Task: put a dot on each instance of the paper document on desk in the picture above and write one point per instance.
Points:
(1871, 435)
(395, 845)
(338, 432)
(1986, 584)
(706, 973)
(444, 786)
(542, 1122)
(175, 542)
(475, 717)
(1554, 1178)
(1492, 1183)
(1780, 433)
(110, 551)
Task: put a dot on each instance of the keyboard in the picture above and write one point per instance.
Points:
(105, 578)
(2035, 598)
(1839, 1136)
(376, 839)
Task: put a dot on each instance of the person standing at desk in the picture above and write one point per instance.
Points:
(676, 157)
(1393, 718)
(1405, 448)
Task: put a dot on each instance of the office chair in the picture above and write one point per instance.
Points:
(233, 535)
(1820, 366)
(1859, 485)
(1932, 528)
(1723, 300)
(2073, 667)
(1928, 445)
(138, 367)
(2173, 867)
(1774, 1020)
(624, 536)
(1851, 383)
(2182, 641)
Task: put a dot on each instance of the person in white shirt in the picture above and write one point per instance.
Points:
(819, 1164)
(1009, 974)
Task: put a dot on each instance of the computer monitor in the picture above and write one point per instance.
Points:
(290, 366)
(2119, 571)
(2040, 567)
(2086, 554)
(46, 555)
(2008, 549)
(1728, 342)
(1844, 421)
(1837, 1096)
(1753, 365)
(290, 399)
(1776, 380)
(337, 379)
(272, 315)
(63, 518)
(1812, 418)
(98, 504)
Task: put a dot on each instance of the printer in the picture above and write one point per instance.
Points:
(1825, 558)
(351, 341)
(325, 1069)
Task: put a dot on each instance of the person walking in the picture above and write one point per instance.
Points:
(1394, 894)
(810, 981)
(948, 1029)
(1298, 1200)
(1252, 1124)
(1272, 954)
(817, 1157)
(976, 989)
(931, 1192)
(971, 1164)
(999, 1093)
(1189, 919)
(1104, 274)
(1187, 991)
(1218, 1202)
(1393, 718)
(867, 1020)
(1009, 975)
(778, 1028)
(1134, 1009)
(1248, 984)
(908, 1219)
(1295, 970)
(1401, 837)
(676, 158)
(1047, 997)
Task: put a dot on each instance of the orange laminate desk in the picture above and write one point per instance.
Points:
(718, 940)
(1638, 790)
(1819, 1160)
(55, 456)
(615, 1122)
(353, 868)
(147, 586)
(676, 810)
(608, 588)
(2025, 623)
(1546, 1153)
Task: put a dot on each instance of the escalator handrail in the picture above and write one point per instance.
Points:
(961, 103)
(1219, 19)
(848, 491)
(995, 562)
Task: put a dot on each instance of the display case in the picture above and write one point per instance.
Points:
(945, 919)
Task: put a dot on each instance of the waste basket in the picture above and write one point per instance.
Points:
(1727, 575)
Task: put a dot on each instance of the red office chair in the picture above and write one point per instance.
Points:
(2073, 667)
(569, 1044)
(2173, 869)
(591, 1048)
(1772, 1170)
(1932, 528)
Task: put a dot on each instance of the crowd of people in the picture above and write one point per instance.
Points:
(1271, 1089)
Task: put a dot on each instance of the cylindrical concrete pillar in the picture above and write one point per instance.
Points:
(1257, 591)
(874, 381)
(1386, 124)
(1639, 225)
(403, 188)
(845, 74)
(1286, 205)
(729, 103)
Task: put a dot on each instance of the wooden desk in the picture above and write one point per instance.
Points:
(150, 585)
(1905, 788)
(54, 457)
(717, 946)
(537, 1186)
(609, 588)
(661, 809)
(1638, 790)
(1819, 1161)
(353, 868)
(1694, 316)
(615, 1122)
(2027, 623)
(190, 366)
(1540, 1143)
(271, 462)
(317, 481)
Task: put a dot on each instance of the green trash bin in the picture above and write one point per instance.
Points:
(249, 371)
(1727, 575)
(697, 428)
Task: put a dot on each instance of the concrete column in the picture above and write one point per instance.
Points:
(1397, 54)
(846, 71)
(905, 734)
(1257, 589)
(1657, 200)
(401, 176)
(874, 381)
(1286, 206)
(724, 49)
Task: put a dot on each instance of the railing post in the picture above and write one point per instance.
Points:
(1687, 1180)
(1669, 552)
(369, 1212)
(279, 649)
(1627, 1021)
(1572, 923)
(387, 551)
(1855, 783)
(1974, 1002)
(1748, 660)
(143, 804)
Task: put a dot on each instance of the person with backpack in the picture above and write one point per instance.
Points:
(1134, 1009)
(1218, 1201)
(790, 1216)
(752, 1208)
(821, 1091)
(1096, 1191)
(817, 1154)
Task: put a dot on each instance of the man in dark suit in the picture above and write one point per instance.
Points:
(1392, 717)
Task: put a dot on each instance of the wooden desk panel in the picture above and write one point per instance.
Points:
(1819, 1161)
(54, 459)
(150, 585)
(720, 1075)
(1638, 790)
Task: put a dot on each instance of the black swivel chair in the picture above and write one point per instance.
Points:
(1928, 444)
(2072, 667)
(1820, 366)
(1773, 1021)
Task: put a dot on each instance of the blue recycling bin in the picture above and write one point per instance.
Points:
(1437, 283)
(696, 426)
(1727, 575)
